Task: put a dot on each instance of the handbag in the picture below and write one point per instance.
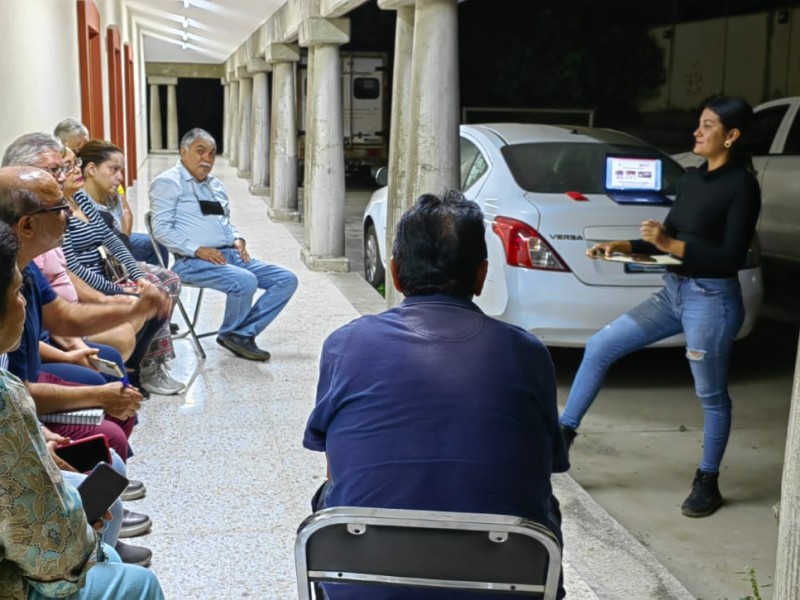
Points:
(113, 269)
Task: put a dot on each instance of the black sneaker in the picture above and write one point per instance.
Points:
(705, 498)
(134, 555)
(134, 491)
(244, 346)
(134, 524)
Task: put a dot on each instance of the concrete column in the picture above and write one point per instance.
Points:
(434, 100)
(324, 150)
(399, 196)
(226, 107)
(283, 142)
(172, 117)
(233, 153)
(156, 139)
(245, 125)
(260, 147)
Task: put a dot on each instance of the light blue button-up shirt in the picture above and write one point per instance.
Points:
(178, 222)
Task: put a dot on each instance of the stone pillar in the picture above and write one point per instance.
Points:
(399, 194)
(233, 153)
(324, 150)
(172, 117)
(260, 146)
(226, 107)
(283, 140)
(156, 139)
(245, 118)
(434, 100)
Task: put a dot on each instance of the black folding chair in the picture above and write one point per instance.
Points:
(427, 549)
(191, 324)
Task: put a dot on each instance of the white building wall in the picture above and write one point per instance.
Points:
(41, 80)
(746, 57)
(753, 56)
(793, 68)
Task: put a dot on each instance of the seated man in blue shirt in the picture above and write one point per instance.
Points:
(191, 217)
(433, 405)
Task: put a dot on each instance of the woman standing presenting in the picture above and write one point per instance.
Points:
(709, 228)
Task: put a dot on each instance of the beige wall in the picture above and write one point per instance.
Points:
(38, 66)
(753, 56)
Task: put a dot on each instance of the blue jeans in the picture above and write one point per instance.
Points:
(112, 580)
(142, 249)
(239, 281)
(710, 313)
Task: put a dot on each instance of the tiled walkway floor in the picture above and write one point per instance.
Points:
(227, 478)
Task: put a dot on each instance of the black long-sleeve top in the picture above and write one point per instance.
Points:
(715, 213)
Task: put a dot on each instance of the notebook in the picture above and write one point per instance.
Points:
(86, 416)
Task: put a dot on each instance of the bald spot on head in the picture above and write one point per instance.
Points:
(36, 181)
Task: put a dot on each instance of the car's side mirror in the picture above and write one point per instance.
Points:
(382, 176)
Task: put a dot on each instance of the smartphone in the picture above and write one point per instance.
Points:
(84, 454)
(106, 367)
(99, 491)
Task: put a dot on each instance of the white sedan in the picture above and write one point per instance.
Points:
(548, 193)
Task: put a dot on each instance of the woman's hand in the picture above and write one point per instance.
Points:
(653, 232)
(81, 356)
(608, 248)
(54, 440)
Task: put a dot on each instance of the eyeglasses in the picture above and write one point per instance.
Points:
(64, 169)
(69, 167)
(63, 206)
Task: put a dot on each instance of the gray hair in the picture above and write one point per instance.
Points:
(69, 127)
(194, 134)
(25, 150)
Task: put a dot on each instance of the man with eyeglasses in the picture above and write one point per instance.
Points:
(191, 217)
(37, 211)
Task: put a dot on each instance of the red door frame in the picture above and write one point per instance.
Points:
(89, 48)
(130, 114)
(114, 48)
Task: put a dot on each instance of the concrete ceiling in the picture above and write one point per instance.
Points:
(214, 28)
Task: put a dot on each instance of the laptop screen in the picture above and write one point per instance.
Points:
(629, 173)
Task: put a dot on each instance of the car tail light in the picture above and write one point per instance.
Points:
(577, 196)
(524, 246)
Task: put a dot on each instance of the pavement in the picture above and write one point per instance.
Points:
(228, 481)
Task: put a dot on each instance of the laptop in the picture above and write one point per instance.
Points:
(634, 180)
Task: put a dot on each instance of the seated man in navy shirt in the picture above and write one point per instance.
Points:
(433, 405)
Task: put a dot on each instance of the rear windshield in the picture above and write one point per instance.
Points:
(555, 168)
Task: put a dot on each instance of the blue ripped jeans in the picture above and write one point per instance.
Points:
(710, 313)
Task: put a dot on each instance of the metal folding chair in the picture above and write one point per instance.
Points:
(191, 324)
(427, 549)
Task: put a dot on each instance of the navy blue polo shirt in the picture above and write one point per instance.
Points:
(433, 405)
(25, 362)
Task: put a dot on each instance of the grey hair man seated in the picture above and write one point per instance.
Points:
(192, 218)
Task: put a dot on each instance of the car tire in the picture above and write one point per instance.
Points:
(374, 272)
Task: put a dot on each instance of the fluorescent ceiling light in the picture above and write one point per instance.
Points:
(183, 45)
(185, 3)
(185, 35)
(185, 22)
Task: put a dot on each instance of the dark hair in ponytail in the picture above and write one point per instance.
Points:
(735, 113)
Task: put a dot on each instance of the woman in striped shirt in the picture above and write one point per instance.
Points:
(88, 235)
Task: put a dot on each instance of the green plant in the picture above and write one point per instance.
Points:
(382, 289)
(750, 572)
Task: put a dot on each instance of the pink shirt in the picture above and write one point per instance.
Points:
(54, 267)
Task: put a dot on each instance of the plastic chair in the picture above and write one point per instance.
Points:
(427, 549)
(191, 324)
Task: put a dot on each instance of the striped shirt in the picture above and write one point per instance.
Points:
(81, 241)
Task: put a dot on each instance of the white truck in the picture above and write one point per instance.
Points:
(774, 142)
(364, 111)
